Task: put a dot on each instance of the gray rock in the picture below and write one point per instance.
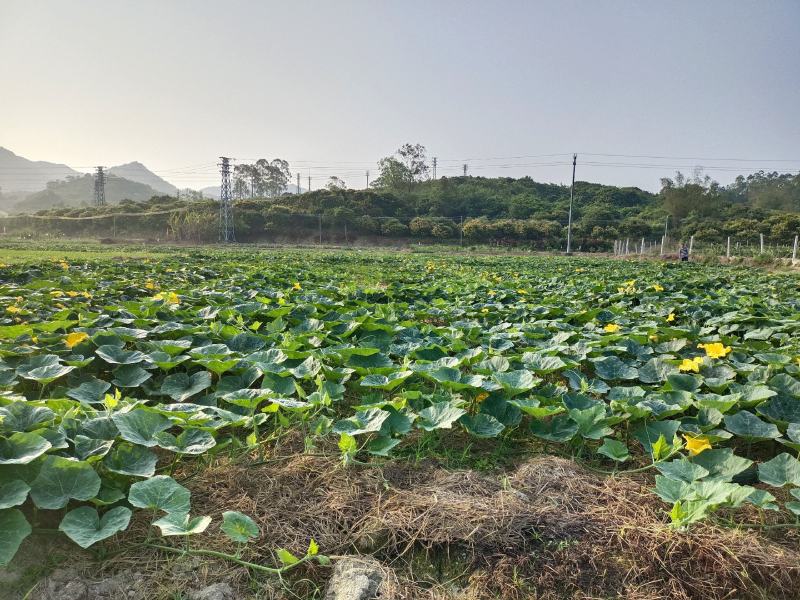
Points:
(355, 578)
(215, 591)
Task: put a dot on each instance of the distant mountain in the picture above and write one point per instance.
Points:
(136, 171)
(18, 174)
(211, 192)
(79, 191)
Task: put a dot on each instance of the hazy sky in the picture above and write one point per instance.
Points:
(333, 86)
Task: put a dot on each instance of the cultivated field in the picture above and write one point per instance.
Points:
(475, 426)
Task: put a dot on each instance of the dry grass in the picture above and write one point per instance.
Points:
(547, 530)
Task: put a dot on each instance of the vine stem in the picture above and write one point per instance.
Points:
(229, 557)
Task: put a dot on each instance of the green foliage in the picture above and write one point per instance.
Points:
(376, 349)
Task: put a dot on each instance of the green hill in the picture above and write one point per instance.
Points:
(79, 191)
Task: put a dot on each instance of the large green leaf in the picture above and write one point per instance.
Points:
(13, 492)
(782, 470)
(181, 386)
(160, 493)
(482, 425)
(22, 447)
(612, 368)
(140, 426)
(440, 415)
(176, 523)
(748, 426)
(13, 529)
(90, 392)
(61, 479)
(132, 460)
(188, 441)
(366, 421)
(118, 356)
(85, 527)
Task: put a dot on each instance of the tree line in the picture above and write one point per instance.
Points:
(404, 201)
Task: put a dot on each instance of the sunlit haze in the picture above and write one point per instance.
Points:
(509, 88)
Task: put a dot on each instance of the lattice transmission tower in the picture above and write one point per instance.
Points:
(100, 187)
(226, 233)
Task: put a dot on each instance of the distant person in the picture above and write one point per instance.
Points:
(683, 253)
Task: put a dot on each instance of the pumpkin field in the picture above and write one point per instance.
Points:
(125, 382)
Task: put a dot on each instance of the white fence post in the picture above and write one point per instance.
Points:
(728, 251)
(641, 250)
(691, 244)
(663, 239)
(626, 245)
(761, 237)
(794, 250)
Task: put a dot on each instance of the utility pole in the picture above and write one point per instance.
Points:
(226, 232)
(309, 180)
(434, 167)
(100, 187)
(465, 169)
(571, 197)
(298, 182)
(367, 178)
(664, 238)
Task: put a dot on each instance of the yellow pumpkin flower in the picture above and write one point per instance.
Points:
(75, 338)
(297, 286)
(670, 317)
(72, 294)
(522, 292)
(149, 284)
(696, 444)
(56, 293)
(13, 309)
(611, 328)
(493, 293)
(481, 397)
(715, 350)
(691, 364)
(658, 288)
(169, 297)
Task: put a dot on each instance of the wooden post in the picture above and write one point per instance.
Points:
(663, 240)
(691, 244)
(627, 240)
(641, 248)
(761, 237)
(728, 251)
(794, 250)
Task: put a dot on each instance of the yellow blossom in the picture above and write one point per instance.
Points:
(64, 265)
(670, 317)
(691, 364)
(579, 270)
(521, 291)
(86, 295)
(484, 310)
(13, 309)
(297, 286)
(611, 328)
(482, 396)
(35, 339)
(56, 293)
(658, 288)
(696, 444)
(715, 350)
(653, 337)
(281, 301)
(72, 294)
(59, 305)
(149, 284)
(169, 297)
(493, 293)
(75, 338)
